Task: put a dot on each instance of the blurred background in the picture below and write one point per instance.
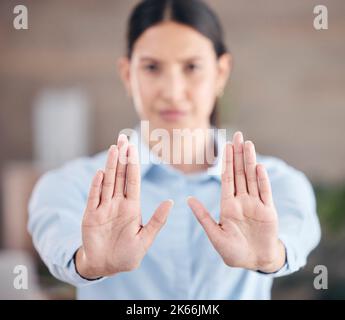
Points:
(61, 98)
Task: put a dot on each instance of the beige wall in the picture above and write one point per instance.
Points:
(286, 92)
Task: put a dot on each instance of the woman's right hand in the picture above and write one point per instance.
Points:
(114, 239)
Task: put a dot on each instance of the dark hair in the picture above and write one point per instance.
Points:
(193, 13)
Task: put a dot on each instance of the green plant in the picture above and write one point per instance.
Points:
(331, 206)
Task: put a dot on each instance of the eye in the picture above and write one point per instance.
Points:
(191, 67)
(152, 68)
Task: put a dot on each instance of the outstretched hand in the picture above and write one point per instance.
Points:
(247, 233)
(114, 239)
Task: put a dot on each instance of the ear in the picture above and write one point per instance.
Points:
(224, 71)
(123, 67)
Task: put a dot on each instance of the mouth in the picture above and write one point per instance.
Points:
(172, 115)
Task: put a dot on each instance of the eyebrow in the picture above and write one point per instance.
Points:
(148, 58)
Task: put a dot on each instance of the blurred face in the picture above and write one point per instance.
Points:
(174, 76)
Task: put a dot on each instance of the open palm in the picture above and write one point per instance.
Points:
(247, 233)
(114, 239)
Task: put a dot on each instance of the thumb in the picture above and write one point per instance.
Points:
(156, 222)
(208, 223)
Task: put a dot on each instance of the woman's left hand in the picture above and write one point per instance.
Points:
(247, 233)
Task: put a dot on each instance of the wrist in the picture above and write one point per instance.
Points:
(278, 262)
(82, 267)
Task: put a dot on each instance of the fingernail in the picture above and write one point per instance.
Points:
(239, 133)
(122, 137)
(248, 143)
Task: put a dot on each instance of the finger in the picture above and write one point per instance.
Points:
(121, 166)
(156, 222)
(210, 226)
(93, 199)
(264, 185)
(109, 176)
(250, 168)
(240, 179)
(133, 174)
(228, 187)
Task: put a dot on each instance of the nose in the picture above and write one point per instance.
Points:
(173, 87)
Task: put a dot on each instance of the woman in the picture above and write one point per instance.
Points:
(107, 238)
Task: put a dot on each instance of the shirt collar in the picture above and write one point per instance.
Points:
(148, 159)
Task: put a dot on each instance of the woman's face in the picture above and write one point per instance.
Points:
(174, 76)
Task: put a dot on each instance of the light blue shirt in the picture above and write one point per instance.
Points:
(181, 263)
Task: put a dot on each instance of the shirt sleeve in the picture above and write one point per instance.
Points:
(299, 227)
(56, 208)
